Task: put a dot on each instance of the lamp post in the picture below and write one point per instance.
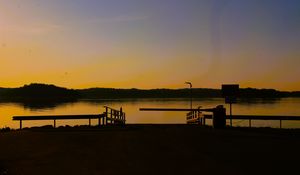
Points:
(189, 83)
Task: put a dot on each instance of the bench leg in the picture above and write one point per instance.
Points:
(54, 124)
(20, 124)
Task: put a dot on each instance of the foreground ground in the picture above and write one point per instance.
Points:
(149, 149)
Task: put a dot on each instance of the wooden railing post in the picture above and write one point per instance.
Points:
(111, 114)
(280, 124)
(99, 121)
(105, 117)
(124, 117)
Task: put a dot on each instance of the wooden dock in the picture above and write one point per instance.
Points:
(196, 116)
(257, 117)
(109, 117)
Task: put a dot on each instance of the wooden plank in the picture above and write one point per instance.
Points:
(265, 117)
(58, 117)
(173, 109)
(258, 117)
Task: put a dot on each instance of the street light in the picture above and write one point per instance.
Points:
(189, 83)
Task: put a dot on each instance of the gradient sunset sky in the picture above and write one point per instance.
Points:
(150, 43)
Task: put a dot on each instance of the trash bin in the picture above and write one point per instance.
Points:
(219, 117)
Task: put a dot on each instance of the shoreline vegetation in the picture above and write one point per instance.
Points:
(52, 93)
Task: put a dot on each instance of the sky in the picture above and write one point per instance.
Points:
(150, 43)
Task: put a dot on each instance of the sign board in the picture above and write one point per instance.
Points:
(230, 92)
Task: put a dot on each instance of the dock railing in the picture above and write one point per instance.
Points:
(250, 118)
(195, 117)
(113, 116)
(219, 117)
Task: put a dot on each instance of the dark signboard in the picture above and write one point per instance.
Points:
(230, 92)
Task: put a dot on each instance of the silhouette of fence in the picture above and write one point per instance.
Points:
(113, 116)
(109, 117)
(195, 117)
(257, 117)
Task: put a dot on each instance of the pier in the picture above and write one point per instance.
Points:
(219, 117)
(250, 118)
(109, 117)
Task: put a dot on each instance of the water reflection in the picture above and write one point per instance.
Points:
(258, 100)
(38, 105)
(284, 106)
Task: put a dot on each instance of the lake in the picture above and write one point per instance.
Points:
(283, 106)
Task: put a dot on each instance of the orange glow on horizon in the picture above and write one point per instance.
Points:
(149, 47)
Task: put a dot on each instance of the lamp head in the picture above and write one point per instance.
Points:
(189, 83)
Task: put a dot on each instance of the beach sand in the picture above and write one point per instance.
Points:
(149, 149)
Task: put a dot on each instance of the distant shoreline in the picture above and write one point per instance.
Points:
(44, 92)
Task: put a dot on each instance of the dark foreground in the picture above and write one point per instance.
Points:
(149, 149)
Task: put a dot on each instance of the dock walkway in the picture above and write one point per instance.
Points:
(110, 116)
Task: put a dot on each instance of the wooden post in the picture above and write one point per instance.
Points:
(280, 123)
(104, 121)
(111, 115)
(124, 119)
(104, 118)
(121, 115)
(99, 121)
(230, 114)
(54, 124)
(89, 122)
(20, 124)
(115, 116)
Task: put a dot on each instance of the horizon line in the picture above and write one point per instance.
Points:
(146, 88)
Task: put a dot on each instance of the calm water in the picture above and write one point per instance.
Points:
(284, 106)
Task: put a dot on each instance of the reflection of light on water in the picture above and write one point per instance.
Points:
(286, 106)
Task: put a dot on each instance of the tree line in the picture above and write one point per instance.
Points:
(51, 92)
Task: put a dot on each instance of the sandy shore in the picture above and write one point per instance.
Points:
(149, 149)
